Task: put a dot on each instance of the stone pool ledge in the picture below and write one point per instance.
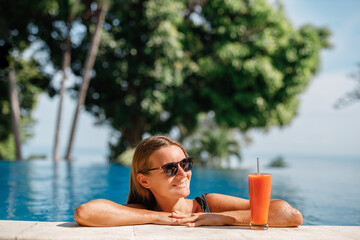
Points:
(69, 230)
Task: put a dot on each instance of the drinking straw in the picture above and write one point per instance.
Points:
(257, 159)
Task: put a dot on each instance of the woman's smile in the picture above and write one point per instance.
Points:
(182, 184)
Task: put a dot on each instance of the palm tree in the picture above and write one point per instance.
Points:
(89, 64)
(15, 110)
(212, 145)
(65, 65)
(220, 146)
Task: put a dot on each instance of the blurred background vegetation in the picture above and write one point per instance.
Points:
(208, 70)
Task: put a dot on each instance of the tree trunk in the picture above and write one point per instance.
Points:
(133, 135)
(89, 64)
(65, 65)
(15, 111)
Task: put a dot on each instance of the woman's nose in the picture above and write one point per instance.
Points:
(180, 171)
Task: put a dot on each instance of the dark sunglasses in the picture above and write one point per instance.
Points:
(171, 169)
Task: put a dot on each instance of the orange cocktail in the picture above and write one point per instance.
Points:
(259, 195)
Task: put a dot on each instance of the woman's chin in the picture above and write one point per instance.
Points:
(182, 192)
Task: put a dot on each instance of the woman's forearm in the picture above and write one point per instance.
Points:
(281, 214)
(103, 212)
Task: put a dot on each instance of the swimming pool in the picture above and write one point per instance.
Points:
(326, 191)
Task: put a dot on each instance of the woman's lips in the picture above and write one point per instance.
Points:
(181, 184)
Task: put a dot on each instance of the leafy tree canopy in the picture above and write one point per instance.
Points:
(17, 31)
(164, 62)
(253, 64)
(30, 83)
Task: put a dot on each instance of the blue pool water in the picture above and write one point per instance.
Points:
(325, 190)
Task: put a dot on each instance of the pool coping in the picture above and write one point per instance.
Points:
(69, 230)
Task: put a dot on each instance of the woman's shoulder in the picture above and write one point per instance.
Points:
(216, 196)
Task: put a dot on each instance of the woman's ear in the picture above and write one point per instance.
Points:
(143, 180)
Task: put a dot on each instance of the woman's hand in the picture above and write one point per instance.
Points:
(202, 219)
(281, 214)
(165, 218)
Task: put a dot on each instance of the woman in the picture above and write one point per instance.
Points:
(159, 184)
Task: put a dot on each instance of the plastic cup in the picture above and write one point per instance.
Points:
(259, 195)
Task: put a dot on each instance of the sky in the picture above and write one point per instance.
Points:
(318, 130)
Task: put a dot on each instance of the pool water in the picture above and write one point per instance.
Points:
(326, 191)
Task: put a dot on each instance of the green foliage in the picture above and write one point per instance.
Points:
(126, 157)
(254, 64)
(278, 162)
(30, 83)
(22, 24)
(36, 157)
(7, 148)
(212, 146)
(158, 68)
(17, 33)
(162, 63)
(138, 85)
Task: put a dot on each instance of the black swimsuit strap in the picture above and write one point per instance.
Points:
(203, 203)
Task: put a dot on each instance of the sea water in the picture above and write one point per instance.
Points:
(325, 189)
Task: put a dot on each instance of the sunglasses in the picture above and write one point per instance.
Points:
(171, 169)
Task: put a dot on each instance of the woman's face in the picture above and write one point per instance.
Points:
(159, 183)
